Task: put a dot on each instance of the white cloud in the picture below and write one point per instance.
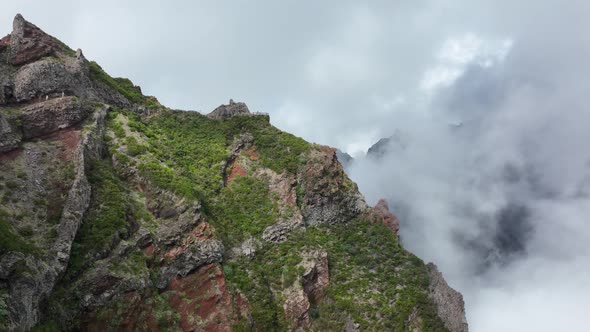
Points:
(287, 116)
(388, 105)
(440, 76)
(461, 50)
(331, 69)
(458, 53)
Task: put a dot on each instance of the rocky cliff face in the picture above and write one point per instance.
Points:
(449, 302)
(45, 191)
(117, 213)
(28, 43)
(49, 222)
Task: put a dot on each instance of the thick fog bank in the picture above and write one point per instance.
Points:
(491, 180)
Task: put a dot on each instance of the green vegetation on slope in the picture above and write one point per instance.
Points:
(371, 274)
(123, 85)
(373, 280)
(107, 217)
(279, 151)
(243, 209)
(10, 240)
(189, 149)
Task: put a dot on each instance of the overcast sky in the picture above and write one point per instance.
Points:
(491, 97)
(334, 72)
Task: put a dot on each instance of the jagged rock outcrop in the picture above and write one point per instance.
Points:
(91, 147)
(383, 215)
(179, 217)
(308, 288)
(316, 274)
(449, 302)
(244, 141)
(41, 119)
(65, 75)
(284, 187)
(296, 306)
(330, 196)
(229, 110)
(224, 112)
(39, 67)
(27, 42)
(39, 79)
(189, 257)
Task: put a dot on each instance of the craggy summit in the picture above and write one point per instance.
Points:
(117, 213)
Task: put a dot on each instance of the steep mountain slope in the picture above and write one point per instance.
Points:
(117, 213)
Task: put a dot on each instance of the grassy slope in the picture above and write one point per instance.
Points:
(371, 274)
(184, 152)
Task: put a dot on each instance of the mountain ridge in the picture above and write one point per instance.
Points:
(120, 213)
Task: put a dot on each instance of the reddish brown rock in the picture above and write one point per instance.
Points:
(316, 275)
(70, 138)
(150, 250)
(308, 288)
(283, 187)
(243, 142)
(383, 215)
(235, 170)
(10, 155)
(203, 294)
(201, 301)
(203, 231)
(330, 196)
(296, 307)
(252, 153)
(29, 43)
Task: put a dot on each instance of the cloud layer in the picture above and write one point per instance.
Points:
(490, 98)
(493, 180)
